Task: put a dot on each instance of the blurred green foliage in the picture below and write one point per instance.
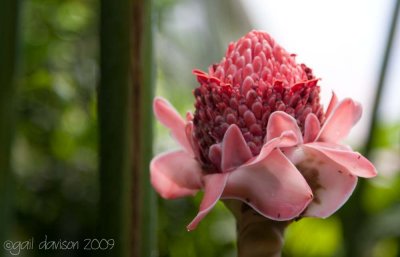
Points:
(55, 147)
(54, 153)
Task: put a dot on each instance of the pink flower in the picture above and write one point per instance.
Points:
(260, 135)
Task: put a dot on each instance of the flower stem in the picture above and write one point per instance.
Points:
(256, 235)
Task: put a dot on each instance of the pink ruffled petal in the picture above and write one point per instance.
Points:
(311, 128)
(280, 122)
(331, 184)
(214, 185)
(286, 139)
(294, 154)
(282, 131)
(337, 126)
(175, 174)
(171, 119)
(273, 187)
(332, 104)
(353, 162)
(235, 150)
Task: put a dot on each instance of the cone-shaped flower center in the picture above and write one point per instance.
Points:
(255, 78)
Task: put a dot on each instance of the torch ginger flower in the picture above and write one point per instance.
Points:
(259, 134)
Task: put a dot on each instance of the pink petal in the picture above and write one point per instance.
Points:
(294, 154)
(280, 122)
(311, 128)
(235, 150)
(337, 126)
(171, 119)
(332, 104)
(215, 154)
(273, 187)
(189, 116)
(175, 174)
(194, 147)
(331, 184)
(286, 139)
(214, 185)
(353, 162)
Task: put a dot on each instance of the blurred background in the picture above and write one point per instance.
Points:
(54, 151)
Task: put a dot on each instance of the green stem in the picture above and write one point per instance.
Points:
(115, 137)
(8, 48)
(256, 235)
(144, 215)
(127, 203)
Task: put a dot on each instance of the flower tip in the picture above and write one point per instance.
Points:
(192, 226)
(332, 104)
(372, 172)
(233, 128)
(355, 107)
(201, 76)
(159, 104)
(198, 72)
(157, 100)
(189, 116)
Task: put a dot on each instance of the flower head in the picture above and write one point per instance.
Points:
(255, 78)
(259, 134)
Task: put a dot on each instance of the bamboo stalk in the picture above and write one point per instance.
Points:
(9, 10)
(125, 118)
(144, 215)
(115, 137)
